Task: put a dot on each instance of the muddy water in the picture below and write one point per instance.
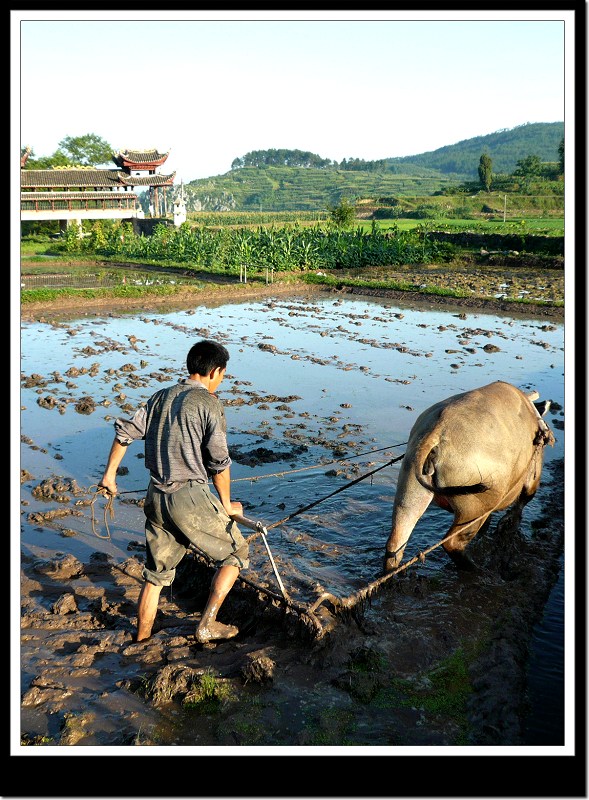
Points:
(318, 391)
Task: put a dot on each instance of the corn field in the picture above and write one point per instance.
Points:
(228, 250)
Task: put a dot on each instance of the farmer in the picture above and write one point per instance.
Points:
(184, 429)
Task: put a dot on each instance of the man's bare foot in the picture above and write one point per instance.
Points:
(215, 630)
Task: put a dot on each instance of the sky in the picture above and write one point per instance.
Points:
(209, 87)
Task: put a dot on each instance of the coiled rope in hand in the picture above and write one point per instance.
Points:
(109, 511)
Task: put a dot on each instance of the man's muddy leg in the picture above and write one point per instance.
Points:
(146, 610)
(208, 628)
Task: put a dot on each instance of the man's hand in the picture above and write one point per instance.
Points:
(107, 488)
(236, 508)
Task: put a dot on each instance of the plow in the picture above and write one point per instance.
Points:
(313, 617)
(317, 614)
(317, 617)
(320, 614)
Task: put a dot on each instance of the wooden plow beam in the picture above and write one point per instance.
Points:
(350, 606)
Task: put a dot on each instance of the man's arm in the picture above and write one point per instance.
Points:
(222, 483)
(126, 431)
(109, 479)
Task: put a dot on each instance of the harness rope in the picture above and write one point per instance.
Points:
(102, 491)
(316, 502)
(314, 466)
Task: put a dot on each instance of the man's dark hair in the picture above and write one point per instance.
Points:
(205, 356)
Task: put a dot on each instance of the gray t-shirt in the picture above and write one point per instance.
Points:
(185, 434)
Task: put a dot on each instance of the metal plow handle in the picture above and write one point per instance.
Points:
(245, 521)
(257, 526)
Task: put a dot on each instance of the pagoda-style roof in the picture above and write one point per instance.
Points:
(139, 159)
(66, 177)
(77, 177)
(148, 180)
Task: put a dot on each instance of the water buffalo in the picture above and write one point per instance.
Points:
(473, 454)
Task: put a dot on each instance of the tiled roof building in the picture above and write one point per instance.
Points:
(76, 193)
(64, 178)
(139, 159)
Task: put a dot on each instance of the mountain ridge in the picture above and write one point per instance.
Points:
(278, 187)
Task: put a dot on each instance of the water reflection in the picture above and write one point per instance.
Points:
(326, 380)
(335, 385)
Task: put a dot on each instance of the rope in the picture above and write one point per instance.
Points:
(281, 474)
(108, 509)
(316, 502)
(367, 591)
(315, 466)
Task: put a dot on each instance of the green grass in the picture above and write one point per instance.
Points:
(36, 741)
(449, 687)
(547, 226)
(117, 292)
(331, 727)
(208, 695)
(443, 691)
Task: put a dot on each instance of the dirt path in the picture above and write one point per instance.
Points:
(231, 291)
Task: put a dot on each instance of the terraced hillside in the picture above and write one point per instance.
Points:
(302, 189)
(264, 183)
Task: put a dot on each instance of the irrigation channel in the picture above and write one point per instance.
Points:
(319, 390)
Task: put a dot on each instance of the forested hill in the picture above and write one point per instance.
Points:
(288, 180)
(505, 147)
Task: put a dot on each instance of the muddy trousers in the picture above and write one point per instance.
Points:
(191, 514)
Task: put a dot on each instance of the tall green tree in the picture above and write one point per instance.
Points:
(561, 157)
(486, 171)
(89, 150)
(529, 167)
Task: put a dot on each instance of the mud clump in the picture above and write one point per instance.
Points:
(85, 405)
(258, 669)
(263, 455)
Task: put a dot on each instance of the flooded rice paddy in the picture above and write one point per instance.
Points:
(318, 391)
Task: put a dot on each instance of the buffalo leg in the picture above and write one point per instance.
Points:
(511, 520)
(411, 501)
(458, 538)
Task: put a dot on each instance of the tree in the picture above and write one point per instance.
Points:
(89, 150)
(58, 159)
(529, 167)
(561, 157)
(343, 214)
(485, 171)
